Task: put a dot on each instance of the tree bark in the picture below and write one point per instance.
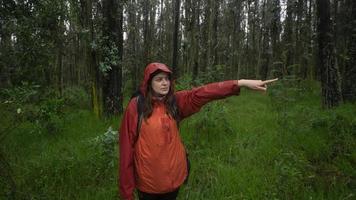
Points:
(330, 78)
(263, 71)
(175, 56)
(113, 82)
(348, 85)
(195, 39)
(288, 39)
(146, 33)
(133, 36)
(275, 32)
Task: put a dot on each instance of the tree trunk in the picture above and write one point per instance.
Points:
(263, 71)
(6, 52)
(175, 56)
(288, 39)
(348, 85)
(237, 37)
(95, 75)
(195, 39)
(330, 78)
(133, 43)
(113, 28)
(146, 33)
(275, 32)
(215, 21)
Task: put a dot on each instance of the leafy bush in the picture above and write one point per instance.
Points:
(105, 146)
(50, 115)
(184, 82)
(76, 97)
(45, 110)
(25, 93)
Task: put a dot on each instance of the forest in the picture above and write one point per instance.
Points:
(69, 67)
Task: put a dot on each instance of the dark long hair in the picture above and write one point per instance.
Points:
(169, 100)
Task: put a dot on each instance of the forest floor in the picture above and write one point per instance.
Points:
(280, 145)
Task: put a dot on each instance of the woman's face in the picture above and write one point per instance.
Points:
(160, 84)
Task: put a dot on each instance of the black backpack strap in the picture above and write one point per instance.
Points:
(140, 105)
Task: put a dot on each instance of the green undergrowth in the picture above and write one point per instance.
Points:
(279, 145)
(282, 145)
(77, 163)
(52, 148)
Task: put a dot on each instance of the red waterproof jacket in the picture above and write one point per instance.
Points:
(153, 163)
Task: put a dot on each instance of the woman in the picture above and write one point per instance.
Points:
(152, 156)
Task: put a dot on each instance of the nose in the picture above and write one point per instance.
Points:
(164, 81)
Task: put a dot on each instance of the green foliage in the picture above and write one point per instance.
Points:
(184, 82)
(110, 54)
(24, 93)
(76, 97)
(50, 115)
(75, 164)
(230, 151)
(44, 109)
(206, 125)
(213, 73)
(321, 141)
(105, 146)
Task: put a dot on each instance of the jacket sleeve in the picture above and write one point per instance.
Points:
(191, 101)
(126, 143)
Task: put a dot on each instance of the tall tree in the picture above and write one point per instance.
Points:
(330, 77)
(113, 13)
(147, 54)
(253, 39)
(275, 33)
(265, 57)
(6, 50)
(214, 35)
(288, 38)
(236, 10)
(133, 42)
(348, 84)
(175, 55)
(193, 35)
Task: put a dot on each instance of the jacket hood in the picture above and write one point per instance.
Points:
(151, 69)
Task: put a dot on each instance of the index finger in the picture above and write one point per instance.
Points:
(269, 81)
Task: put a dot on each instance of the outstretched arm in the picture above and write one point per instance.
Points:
(191, 101)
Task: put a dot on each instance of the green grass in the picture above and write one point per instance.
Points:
(254, 146)
(233, 160)
(64, 165)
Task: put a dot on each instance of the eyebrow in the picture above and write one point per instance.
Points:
(161, 76)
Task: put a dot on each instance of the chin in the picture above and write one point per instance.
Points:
(164, 93)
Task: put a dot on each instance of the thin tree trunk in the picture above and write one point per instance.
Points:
(196, 39)
(132, 40)
(215, 21)
(263, 71)
(175, 56)
(146, 33)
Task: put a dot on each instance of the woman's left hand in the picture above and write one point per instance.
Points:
(258, 85)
